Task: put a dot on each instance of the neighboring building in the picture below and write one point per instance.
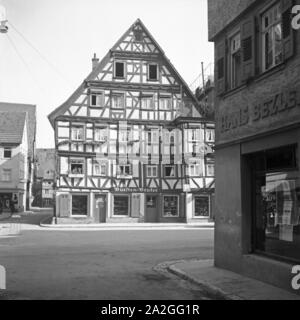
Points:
(131, 143)
(13, 159)
(30, 110)
(44, 178)
(257, 78)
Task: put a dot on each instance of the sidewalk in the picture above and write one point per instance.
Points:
(225, 284)
(128, 226)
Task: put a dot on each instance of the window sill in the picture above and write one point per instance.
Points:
(269, 72)
(74, 175)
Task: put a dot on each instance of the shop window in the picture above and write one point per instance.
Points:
(171, 206)
(6, 175)
(201, 206)
(79, 205)
(151, 202)
(152, 72)
(97, 99)
(272, 38)
(169, 172)
(117, 101)
(7, 153)
(235, 61)
(77, 133)
(152, 171)
(121, 205)
(119, 70)
(276, 210)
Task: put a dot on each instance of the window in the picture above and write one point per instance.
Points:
(117, 101)
(170, 206)
(121, 205)
(124, 135)
(210, 170)
(124, 170)
(100, 169)
(165, 104)
(195, 170)
(77, 133)
(97, 99)
(6, 175)
(151, 171)
(147, 103)
(194, 135)
(201, 206)
(169, 171)
(272, 38)
(7, 153)
(152, 72)
(119, 69)
(210, 135)
(101, 134)
(138, 35)
(79, 205)
(235, 61)
(153, 136)
(76, 167)
(276, 210)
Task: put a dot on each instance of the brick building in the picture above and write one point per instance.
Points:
(257, 79)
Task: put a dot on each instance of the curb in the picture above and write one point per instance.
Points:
(205, 286)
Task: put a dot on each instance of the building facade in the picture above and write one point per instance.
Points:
(257, 79)
(132, 143)
(30, 111)
(43, 189)
(14, 174)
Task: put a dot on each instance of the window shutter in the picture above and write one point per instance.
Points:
(287, 30)
(220, 66)
(247, 44)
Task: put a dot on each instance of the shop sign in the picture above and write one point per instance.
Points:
(283, 104)
(135, 190)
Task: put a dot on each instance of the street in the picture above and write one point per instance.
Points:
(106, 264)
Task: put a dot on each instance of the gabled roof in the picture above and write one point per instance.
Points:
(61, 109)
(12, 127)
(31, 119)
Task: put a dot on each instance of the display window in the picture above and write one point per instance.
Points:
(121, 205)
(276, 220)
(201, 206)
(170, 206)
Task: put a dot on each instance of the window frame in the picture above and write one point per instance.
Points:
(97, 93)
(3, 174)
(120, 95)
(194, 173)
(77, 126)
(157, 72)
(233, 53)
(100, 164)
(80, 161)
(5, 150)
(124, 69)
(175, 171)
(194, 206)
(151, 167)
(145, 97)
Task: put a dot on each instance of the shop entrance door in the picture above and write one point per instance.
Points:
(135, 208)
(100, 208)
(151, 209)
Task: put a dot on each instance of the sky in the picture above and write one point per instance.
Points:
(47, 51)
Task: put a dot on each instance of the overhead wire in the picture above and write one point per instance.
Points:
(51, 65)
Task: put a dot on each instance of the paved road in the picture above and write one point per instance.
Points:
(52, 264)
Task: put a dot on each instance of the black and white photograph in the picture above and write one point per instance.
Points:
(149, 153)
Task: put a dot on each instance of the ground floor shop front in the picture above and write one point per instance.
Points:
(12, 198)
(122, 207)
(257, 227)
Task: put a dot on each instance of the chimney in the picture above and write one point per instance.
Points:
(95, 61)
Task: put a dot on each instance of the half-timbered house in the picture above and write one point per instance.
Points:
(132, 143)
